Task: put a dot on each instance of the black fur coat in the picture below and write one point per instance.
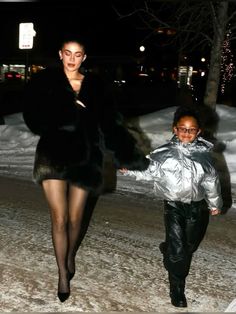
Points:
(73, 138)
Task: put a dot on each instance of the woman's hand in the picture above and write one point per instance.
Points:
(123, 170)
(215, 211)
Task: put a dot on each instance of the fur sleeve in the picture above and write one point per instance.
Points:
(49, 102)
(121, 142)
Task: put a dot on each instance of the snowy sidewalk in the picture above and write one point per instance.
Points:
(119, 266)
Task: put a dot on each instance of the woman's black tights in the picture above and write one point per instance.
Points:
(67, 203)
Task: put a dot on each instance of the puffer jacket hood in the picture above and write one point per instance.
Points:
(183, 172)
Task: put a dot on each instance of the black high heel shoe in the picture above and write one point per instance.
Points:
(63, 296)
(71, 275)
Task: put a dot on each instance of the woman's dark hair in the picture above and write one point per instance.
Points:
(190, 111)
(71, 37)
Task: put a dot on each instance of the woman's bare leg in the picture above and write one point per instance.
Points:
(77, 198)
(56, 195)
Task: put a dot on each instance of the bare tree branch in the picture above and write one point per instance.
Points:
(195, 25)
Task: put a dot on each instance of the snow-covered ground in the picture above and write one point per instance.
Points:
(119, 264)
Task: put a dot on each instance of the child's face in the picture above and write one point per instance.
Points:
(187, 129)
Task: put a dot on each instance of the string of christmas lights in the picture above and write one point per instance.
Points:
(227, 65)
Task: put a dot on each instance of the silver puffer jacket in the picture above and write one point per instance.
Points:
(183, 172)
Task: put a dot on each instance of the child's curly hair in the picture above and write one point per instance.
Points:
(190, 111)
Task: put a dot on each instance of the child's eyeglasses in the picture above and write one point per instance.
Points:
(186, 130)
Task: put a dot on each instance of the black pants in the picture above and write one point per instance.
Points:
(185, 226)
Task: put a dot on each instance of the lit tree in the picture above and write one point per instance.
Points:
(227, 65)
(199, 25)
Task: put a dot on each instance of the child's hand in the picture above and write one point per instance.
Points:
(123, 170)
(215, 211)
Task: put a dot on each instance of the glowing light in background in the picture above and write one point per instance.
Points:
(142, 48)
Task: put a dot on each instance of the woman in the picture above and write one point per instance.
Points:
(73, 114)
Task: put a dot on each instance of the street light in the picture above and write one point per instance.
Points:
(142, 48)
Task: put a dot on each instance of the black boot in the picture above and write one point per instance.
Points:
(163, 247)
(177, 295)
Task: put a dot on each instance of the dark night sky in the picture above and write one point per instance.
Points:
(95, 20)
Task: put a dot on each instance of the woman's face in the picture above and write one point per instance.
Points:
(72, 55)
(187, 129)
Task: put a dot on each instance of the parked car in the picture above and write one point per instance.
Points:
(12, 75)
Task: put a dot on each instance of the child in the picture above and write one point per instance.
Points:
(183, 172)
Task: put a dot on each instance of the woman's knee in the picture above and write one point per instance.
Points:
(59, 222)
(74, 223)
